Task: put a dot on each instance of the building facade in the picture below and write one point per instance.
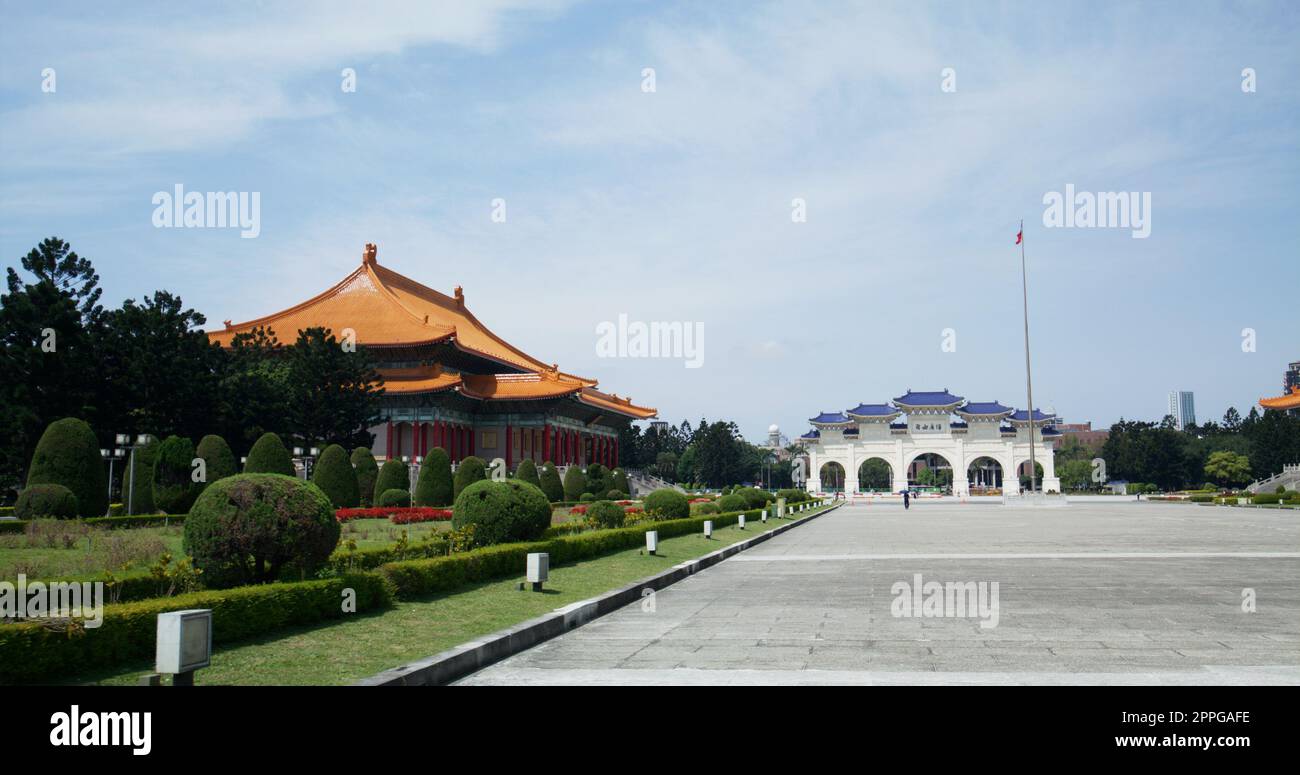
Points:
(1289, 401)
(449, 382)
(983, 447)
(1182, 407)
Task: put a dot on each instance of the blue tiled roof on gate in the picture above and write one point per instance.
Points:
(1022, 416)
(872, 410)
(940, 398)
(989, 407)
(811, 435)
(827, 418)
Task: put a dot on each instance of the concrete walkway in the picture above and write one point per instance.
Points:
(1106, 593)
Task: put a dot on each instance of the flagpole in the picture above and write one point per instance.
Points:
(1029, 380)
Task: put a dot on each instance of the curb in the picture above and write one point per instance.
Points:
(456, 663)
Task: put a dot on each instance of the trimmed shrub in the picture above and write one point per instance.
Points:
(792, 496)
(367, 472)
(395, 498)
(336, 478)
(732, 502)
(587, 498)
(46, 500)
(607, 514)
(393, 475)
(667, 503)
(502, 511)
(269, 456)
(598, 479)
(434, 487)
(704, 508)
(619, 481)
(250, 528)
(550, 482)
(174, 488)
(1266, 498)
(139, 497)
(575, 483)
(217, 458)
(470, 470)
(754, 497)
(68, 454)
(527, 472)
(615, 494)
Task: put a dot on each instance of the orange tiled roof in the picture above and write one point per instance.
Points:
(1288, 401)
(387, 308)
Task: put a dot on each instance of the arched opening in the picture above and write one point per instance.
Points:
(984, 476)
(1023, 470)
(832, 477)
(875, 475)
(930, 472)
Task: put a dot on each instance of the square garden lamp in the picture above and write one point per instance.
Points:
(184, 644)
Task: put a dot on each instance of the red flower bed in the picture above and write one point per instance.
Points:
(398, 516)
(578, 510)
(701, 500)
(633, 510)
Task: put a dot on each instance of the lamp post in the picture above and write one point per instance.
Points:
(412, 473)
(110, 455)
(306, 459)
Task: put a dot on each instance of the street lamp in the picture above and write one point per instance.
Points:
(111, 455)
(140, 441)
(306, 459)
(413, 473)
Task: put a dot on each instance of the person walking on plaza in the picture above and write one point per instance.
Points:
(907, 500)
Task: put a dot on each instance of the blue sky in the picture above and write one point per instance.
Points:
(676, 205)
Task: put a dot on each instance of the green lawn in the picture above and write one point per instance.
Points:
(370, 643)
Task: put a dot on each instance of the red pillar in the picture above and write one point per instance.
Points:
(546, 442)
(388, 441)
(469, 431)
(510, 443)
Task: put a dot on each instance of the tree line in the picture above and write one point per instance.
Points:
(147, 367)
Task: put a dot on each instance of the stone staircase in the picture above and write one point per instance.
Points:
(1289, 478)
(643, 482)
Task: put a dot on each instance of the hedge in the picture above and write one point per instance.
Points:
(30, 651)
(139, 520)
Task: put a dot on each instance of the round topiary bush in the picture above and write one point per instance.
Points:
(575, 483)
(619, 482)
(754, 497)
(218, 459)
(336, 478)
(587, 498)
(68, 454)
(46, 500)
(732, 502)
(527, 472)
(174, 488)
(252, 528)
(269, 456)
(502, 512)
(598, 479)
(393, 475)
(606, 514)
(615, 495)
(470, 470)
(704, 508)
(550, 482)
(435, 487)
(395, 499)
(667, 503)
(363, 461)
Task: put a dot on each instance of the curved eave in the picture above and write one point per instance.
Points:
(873, 417)
(624, 406)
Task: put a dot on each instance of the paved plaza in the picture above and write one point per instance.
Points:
(1093, 593)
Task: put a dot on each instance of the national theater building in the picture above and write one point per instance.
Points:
(981, 442)
(449, 382)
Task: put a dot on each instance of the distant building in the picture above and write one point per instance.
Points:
(1083, 433)
(1292, 379)
(1182, 408)
(1289, 401)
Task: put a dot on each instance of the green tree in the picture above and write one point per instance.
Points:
(137, 493)
(393, 475)
(435, 486)
(255, 394)
(1228, 468)
(367, 472)
(269, 456)
(335, 477)
(527, 472)
(575, 483)
(335, 390)
(470, 470)
(174, 488)
(68, 455)
(550, 482)
(218, 460)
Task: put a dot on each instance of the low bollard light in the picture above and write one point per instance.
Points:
(652, 541)
(708, 528)
(184, 644)
(764, 515)
(539, 569)
(741, 523)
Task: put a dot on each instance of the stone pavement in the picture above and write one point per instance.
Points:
(1096, 592)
